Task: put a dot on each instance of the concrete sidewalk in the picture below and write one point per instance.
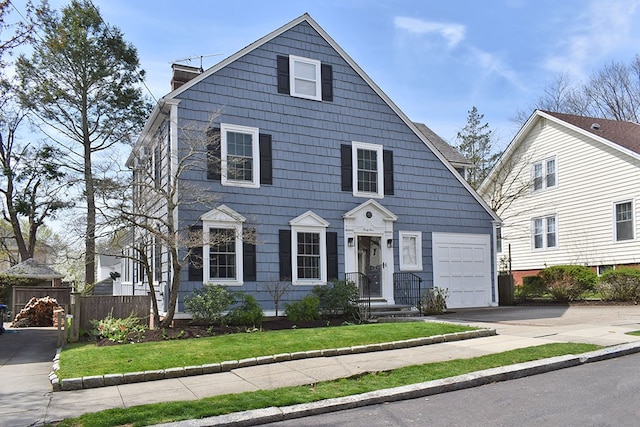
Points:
(26, 398)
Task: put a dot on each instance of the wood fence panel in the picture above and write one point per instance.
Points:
(98, 307)
(22, 295)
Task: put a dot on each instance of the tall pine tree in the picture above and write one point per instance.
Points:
(83, 82)
(475, 145)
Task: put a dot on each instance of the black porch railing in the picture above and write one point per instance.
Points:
(407, 289)
(364, 287)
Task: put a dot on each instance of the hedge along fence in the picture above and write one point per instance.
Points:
(97, 307)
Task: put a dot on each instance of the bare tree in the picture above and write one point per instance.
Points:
(277, 289)
(612, 92)
(151, 204)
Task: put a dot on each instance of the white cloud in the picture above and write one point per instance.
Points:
(492, 64)
(452, 33)
(603, 28)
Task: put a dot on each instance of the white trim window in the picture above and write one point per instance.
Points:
(411, 247)
(544, 232)
(624, 221)
(240, 154)
(304, 75)
(544, 174)
(309, 244)
(222, 259)
(368, 170)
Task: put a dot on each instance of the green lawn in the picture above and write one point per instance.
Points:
(87, 359)
(219, 405)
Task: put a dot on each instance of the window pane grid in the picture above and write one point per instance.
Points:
(308, 255)
(239, 156)
(367, 171)
(624, 221)
(222, 254)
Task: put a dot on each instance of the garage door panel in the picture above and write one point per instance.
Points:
(462, 264)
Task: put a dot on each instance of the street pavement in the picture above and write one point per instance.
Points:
(27, 399)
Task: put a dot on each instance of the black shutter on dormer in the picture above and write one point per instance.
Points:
(346, 165)
(387, 159)
(213, 154)
(284, 241)
(332, 255)
(266, 174)
(195, 258)
(283, 75)
(249, 260)
(326, 78)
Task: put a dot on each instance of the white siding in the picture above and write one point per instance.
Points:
(591, 177)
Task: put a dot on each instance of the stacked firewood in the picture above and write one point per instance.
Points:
(37, 312)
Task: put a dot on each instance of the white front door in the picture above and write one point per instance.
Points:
(368, 243)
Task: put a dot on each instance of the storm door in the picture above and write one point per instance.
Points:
(370, 262)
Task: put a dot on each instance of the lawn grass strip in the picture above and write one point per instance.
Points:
(225, 366)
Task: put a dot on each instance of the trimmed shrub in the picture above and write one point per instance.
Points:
(337, 298)
(621, 284)
(568, 282)
(533, 287)
(248, 313)
(304, 310)
(208, 303)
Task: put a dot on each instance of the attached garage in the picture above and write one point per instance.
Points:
(462, 264)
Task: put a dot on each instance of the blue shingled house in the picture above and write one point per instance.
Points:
(323, 169)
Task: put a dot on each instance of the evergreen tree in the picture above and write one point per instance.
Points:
(83, 83)
(475, 145)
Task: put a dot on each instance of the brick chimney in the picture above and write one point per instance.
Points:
(182, 74)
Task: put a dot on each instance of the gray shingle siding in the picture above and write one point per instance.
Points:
(306, 140)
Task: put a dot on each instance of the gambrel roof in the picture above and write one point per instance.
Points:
(172, 97)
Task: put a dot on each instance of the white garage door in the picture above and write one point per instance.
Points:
(462, 263)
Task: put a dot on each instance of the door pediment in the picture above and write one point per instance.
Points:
(370, 216)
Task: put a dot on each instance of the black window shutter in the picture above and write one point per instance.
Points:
(387, 159)
(346, 166)
(283, 74)
(213, 155)
(285, 255)
(195, 259)
(266, 175)
(326, 77)
(332, 256)
(249, 260)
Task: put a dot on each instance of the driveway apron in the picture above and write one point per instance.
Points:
(26, 357)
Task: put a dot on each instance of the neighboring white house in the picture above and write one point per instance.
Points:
(566, 189)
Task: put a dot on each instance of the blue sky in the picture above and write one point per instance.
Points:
(434, 58)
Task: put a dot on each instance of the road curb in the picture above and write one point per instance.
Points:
(473, 379)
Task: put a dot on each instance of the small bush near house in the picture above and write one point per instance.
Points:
(434, 301)
(118, 330)
(532, 287)
(621, 284)
(304, 310)
(248, 313)
(208, 303)
(568, 282)
(338, 298)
